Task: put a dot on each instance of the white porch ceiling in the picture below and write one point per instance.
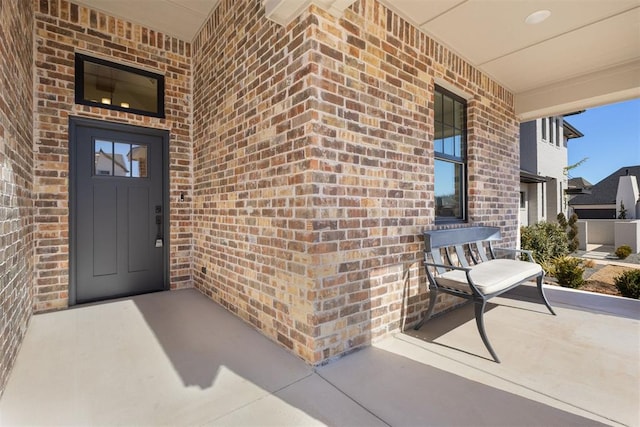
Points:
(179, 18)
(587, 53)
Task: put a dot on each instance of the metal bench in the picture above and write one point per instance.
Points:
(463, 262)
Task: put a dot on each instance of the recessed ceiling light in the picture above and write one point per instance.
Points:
(537, 17)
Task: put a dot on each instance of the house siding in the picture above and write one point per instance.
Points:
(546, 157)
(528, 146)
(62, 29)
(16, 179)
(313, 169)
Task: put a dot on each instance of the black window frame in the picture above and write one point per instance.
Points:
(80, 60)
(461, 160)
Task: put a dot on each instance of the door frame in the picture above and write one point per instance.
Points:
(74, 124)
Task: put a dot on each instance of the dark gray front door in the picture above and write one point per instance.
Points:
(117, 210)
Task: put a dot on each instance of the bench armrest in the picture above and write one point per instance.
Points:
(467, 270)
(447, 267)
(528, 253)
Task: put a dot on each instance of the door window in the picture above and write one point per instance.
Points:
(120, 159)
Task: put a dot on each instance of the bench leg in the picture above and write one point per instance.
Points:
(479, 307)
(433, 294)
(539, 281)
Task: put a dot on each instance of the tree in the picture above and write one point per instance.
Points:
(623, 211)
(566, 169)
(572, 234)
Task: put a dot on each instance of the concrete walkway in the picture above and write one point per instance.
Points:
(603, 254)
(177, 358)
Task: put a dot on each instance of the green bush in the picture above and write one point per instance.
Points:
(628, 283)
(572, 234)
(562, 220)
(546, 240)
(569, 271)
(549, 267)
(572, 230)
(623, 251)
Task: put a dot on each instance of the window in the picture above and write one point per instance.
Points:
(544, 129)
(450, 146)
(523, 200)
(120, 159)
(105, 84)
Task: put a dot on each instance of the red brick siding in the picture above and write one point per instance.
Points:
(376, 167)
(312, 161)
(63, 28)
(313, 169)
(16, 179)
(253, 195)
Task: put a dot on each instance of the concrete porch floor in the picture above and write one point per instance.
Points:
(177, 358)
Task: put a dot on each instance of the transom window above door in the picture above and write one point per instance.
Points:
(105, 84)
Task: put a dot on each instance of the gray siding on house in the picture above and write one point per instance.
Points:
(528, 141)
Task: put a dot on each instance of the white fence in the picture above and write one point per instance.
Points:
(610, 232)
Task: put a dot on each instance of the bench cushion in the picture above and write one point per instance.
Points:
(490, 276)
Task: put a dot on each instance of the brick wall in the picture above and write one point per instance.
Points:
(376, 167)
(252, 173)
(16, 179)
(63, 28)
(313, 169)
(311, 164)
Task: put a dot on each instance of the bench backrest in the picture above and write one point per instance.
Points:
(458, 238)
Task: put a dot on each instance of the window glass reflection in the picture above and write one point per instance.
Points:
(138, 157)
(439, 138)
(438, 108)
(448, 142)
(448, 189)
(448, 111)
(103, 157)
(120, 159)
(459, 115)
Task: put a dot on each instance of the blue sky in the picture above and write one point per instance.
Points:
(611, 140)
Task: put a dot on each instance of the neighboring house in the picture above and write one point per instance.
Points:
(579, 185)
(576, 187)
(107, 164)
(543, 168)
(605, 197)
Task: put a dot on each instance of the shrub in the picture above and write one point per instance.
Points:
(549, 267)
(623, 251)
(569, 271)
(572, 234)
(628, 283)
(562, 220)
(589, 263)
(546, 240)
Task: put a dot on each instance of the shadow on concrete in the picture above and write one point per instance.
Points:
(404, 392)
(448, 321)
(199, 337)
